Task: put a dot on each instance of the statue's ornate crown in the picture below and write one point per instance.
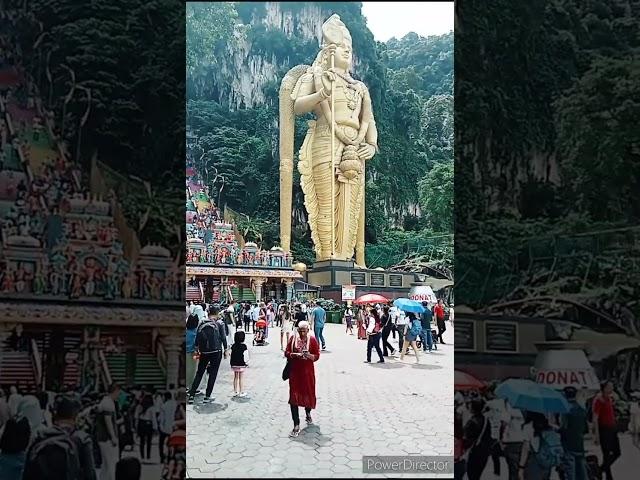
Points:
(335, 31)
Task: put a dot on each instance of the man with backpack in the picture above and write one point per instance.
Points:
(374, 329)
(211, 343)
(61, 452)
(542, 449)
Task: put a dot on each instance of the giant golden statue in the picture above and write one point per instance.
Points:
(332, 158)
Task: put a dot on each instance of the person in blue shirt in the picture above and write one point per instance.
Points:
(425, 335)
(319, 316)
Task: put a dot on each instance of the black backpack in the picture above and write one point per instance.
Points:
(44, 459)
(208, 338)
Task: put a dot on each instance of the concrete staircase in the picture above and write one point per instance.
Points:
(16, 368)
(247, 294)
(148, 370)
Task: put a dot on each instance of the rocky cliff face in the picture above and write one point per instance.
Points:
(271, 42)
(305, 23)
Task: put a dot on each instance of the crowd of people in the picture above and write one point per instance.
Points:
(216, 332)
(81, 435)
(534, 445)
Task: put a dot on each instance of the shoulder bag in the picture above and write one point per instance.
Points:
(287, 367)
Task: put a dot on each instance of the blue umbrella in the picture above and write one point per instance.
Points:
(408, 305)
(534, 397)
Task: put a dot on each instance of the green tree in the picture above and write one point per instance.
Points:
(436, 197)
(598, 138)
(208, 25)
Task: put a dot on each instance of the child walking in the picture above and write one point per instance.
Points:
(348, 318)
(238, 363)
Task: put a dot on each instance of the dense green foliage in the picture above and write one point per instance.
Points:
(547, 93)
(130, 54)
(411, 85)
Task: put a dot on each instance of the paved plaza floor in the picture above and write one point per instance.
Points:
(625, 467)
(395, 408)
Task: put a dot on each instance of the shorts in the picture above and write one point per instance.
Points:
(410, 338)
(238, 369)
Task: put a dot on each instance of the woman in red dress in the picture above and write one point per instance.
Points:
(302, 351)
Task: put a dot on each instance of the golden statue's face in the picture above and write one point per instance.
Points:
(344, 56)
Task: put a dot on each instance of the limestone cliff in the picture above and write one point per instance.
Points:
(269, 39)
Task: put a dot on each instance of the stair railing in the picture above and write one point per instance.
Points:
(105, 368)
(161, 355)
(37, 363)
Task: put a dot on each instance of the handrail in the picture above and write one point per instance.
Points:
(37, 362)
(161, 355)
(105, 367)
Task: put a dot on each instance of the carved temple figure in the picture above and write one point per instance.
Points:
(39, 281)
(111, 279)
(7, 280)
(90, 269)
(337, 144)
(128, 283)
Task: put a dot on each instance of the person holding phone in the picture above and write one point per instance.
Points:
(302, 351)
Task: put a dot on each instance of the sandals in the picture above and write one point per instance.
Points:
(295, 432)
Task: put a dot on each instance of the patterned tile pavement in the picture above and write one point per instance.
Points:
(363, 409)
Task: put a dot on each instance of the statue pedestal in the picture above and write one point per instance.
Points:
(331, 275)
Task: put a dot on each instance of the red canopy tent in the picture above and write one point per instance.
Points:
(371, 298)
(466, 381)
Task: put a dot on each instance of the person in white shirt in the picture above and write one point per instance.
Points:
(167, 419)
(451, 314)
(402, 323)
(395, 313)
(146, 421)
(229, 319)
(254, 313)
(495, 411)
(14, 400)
(107, 433)
(512, 438)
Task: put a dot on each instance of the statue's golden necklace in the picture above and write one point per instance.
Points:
(351, 92)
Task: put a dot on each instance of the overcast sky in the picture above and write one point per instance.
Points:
(396, 19)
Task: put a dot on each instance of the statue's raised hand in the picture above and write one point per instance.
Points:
(328, 79)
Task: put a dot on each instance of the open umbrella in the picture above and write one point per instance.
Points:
(466, 381)
(371, 298)
(534, 397)
(408, 305)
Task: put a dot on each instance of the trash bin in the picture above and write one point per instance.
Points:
(334, 317)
